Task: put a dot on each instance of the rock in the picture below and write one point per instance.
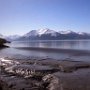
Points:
(2, 69)
(3, 85)
(2, 42)
(52, 81)
(29, 70)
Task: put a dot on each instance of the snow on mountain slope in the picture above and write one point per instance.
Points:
(47, 31)
(40, 32)
(83, 33)
(66, 32)
(31, 33)
(52, 34)
(48, 34)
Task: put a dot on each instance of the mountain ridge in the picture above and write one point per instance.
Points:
(48, 34)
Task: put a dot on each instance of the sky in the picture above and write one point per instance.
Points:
(21, 16)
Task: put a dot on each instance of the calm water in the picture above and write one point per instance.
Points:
(66, 44)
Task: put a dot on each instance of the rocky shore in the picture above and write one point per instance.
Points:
(44, 74)
(2, 42)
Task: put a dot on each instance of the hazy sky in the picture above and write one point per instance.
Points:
(21, 16)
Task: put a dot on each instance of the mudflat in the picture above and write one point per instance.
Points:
(44, 74)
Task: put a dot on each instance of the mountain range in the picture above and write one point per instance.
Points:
(48, 34)
(12, 37)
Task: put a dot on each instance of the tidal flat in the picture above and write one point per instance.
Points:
(44, 74)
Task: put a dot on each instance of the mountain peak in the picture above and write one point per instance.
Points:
(40, 32)
(12, 37)
(43, 31)
(48, 34)
(66, 32)
(82, 33)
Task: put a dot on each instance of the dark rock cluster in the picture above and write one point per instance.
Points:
(2, 42)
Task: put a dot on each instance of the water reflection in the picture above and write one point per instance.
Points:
(66, 44)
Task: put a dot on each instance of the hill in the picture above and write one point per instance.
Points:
(2, 42)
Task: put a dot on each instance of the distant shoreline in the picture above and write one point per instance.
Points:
(3, 46)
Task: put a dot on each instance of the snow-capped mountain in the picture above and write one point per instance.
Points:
(46, 31)
(40, 32)
(48, 34)
(66, 32)
(31, 33)
(83, 33)
(12, 37)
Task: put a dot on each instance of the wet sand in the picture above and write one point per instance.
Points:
(44, 74)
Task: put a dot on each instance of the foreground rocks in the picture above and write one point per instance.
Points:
(52, 82)
(3, 85)
(44, 74)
